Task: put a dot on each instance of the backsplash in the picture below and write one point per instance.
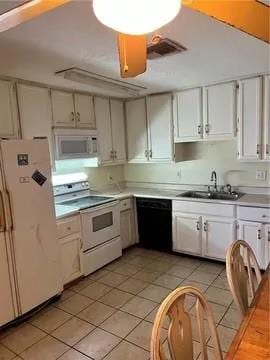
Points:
(218, 156)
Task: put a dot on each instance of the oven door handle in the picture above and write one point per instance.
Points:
(100, 207)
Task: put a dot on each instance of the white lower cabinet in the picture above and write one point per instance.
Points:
(69, 234)
(267, 244)
(127, 223)
(187, 233)
(254, 234)
(199, 231)
(218, 233)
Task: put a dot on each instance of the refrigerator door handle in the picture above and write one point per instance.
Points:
(9, 215)
(2, 214)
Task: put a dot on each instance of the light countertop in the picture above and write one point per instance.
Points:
(254, 200)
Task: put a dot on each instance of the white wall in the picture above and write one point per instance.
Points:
(219, 156)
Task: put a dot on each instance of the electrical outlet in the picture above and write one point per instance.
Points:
(179, 175)
(261, 175)
(109, 178)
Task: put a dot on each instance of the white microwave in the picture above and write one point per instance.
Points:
(76, 146)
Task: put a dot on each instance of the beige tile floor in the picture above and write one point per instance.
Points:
(109, 314)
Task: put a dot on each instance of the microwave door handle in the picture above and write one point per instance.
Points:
(89, 146)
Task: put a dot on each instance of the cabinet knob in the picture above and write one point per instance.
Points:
(146, 153)
(206, 128)
(258, 149)
(151, 153)
(199, 129)
(78, 116)
(205, 226)
(72, 116)
(198, 225)
(69, 228)
(267, 149)
(259, 235)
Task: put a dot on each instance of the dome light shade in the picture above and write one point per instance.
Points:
(136, 17)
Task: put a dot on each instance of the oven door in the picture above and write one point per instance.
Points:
(100, 224)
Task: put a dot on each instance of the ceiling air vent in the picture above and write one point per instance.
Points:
(161, 47)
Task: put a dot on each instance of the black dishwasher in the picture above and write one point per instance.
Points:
(155, 223)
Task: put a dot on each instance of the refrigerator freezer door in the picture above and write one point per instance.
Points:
(8, 308)
(27, 174)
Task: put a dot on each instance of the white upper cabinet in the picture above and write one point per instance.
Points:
(63, 109)
(188, 115)
(9, 123)
(266, 147)
(250, 119)
(118, 130)
(35, 113)
(220, 111)
(103, 118)
(160, 128)
(137, 143)
(84, 109)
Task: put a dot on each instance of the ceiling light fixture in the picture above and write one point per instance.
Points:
(100, 81)
(136, 17)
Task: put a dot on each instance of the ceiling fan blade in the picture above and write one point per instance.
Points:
(26, 11)
(249, 16)
(132, 54)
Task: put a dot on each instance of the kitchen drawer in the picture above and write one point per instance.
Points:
(254, 214)
(126, 204)
(204, 208)
(68, 226)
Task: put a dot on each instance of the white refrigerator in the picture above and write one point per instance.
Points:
(29, 251)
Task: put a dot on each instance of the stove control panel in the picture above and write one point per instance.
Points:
(70, 188)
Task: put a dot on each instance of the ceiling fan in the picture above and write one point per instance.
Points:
(134, 19)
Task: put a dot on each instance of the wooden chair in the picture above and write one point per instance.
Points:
(240, 260)
(179, 336)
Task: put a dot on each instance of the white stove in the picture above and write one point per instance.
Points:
(100, 219)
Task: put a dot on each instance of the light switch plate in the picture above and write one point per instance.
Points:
(261, 175)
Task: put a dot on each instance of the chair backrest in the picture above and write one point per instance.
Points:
(240, 263)
(179, 335)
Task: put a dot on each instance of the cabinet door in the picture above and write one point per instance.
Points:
(63, 109)
(127, 230)
(7, 308)
(71, 258)
(220, 111)
(218, 233)
(9, 112)
(84, 108)
(250, 118)
(159, 117)
(118, 130)
(137, 144)
(253, 234)
(266, 151)
(103, 118)
(35, 113)
(267, 244)
(187, 233)
(188, 122)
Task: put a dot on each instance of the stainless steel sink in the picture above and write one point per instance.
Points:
(211, 195)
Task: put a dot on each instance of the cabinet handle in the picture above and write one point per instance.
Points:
(146, 153)
(199, 129)
(72, 116)
(259, 235)
(69, 228)
(115, 154)
(258, 149)
(206, 128)
(111, 154)
(151, 153)
(198, 225)
(78, 117)
(267, 149)
(205, 227)
(268, 236)
(81, 244)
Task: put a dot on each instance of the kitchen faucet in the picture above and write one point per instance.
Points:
(214, 178)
